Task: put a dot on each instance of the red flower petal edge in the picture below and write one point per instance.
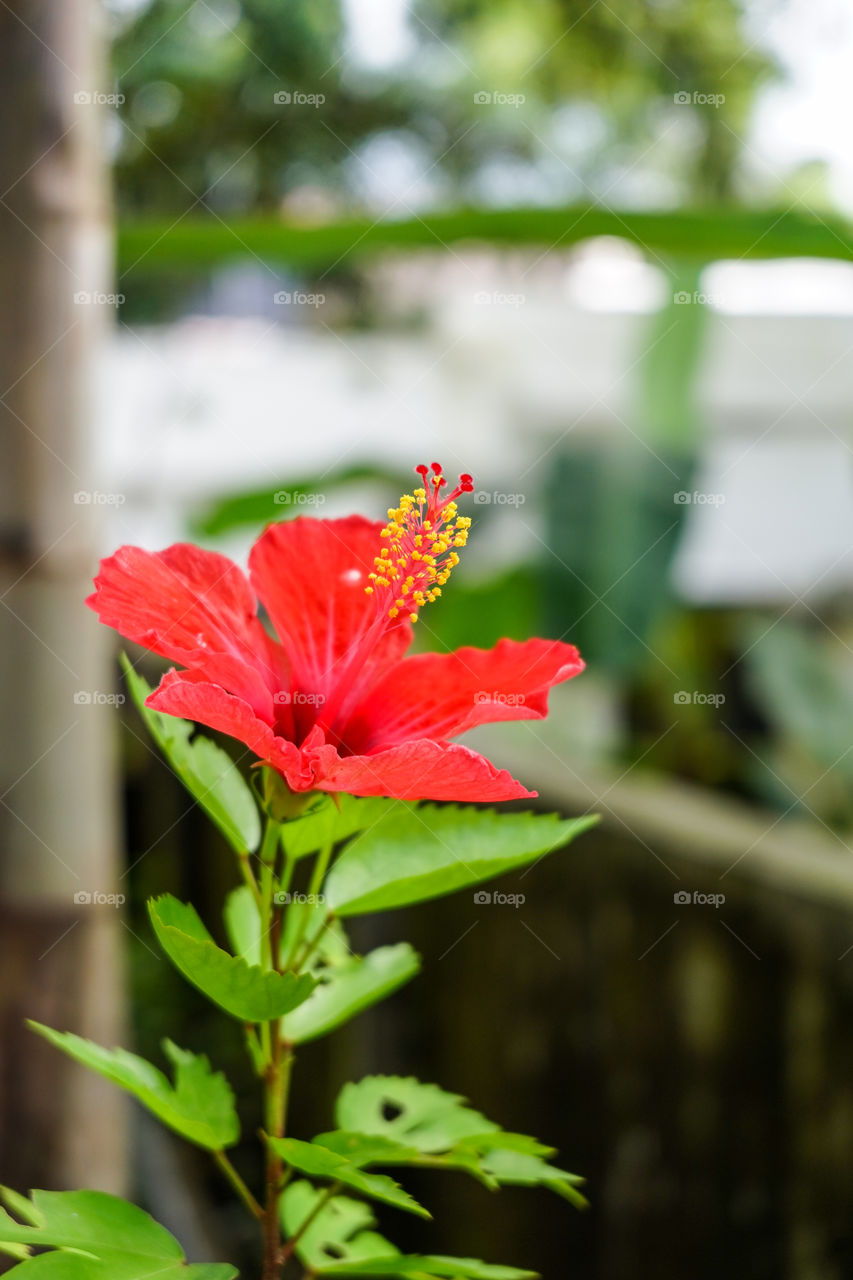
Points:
(333, 704)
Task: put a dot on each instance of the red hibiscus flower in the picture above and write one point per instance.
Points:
(333, 704)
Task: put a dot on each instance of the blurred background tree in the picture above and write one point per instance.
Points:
(201, 127)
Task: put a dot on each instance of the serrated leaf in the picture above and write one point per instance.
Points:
(443, 1131)
(517, 1169)
(208, 773)
(404, 1109)
(245, 991)
(350, 986)
(416, 853)
(199, 1106)
(119, 1242)
(332, 821)
(320, 1162)
(339, 1240)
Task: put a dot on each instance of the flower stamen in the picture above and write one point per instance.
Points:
(421, 542)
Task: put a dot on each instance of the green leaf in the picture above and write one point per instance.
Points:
(515, 1168)
(405, 1110)
(320, 1162)
(245, 991)
(427, 1267)
(333, 820)
(243, 924)
(207, 772)
(199, 1106)
(342, 1231)
(442, 1132)
(347, 987)
(118, 1240)
(364, 1149)
(413, 854)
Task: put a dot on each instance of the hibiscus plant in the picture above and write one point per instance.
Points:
(348, 739)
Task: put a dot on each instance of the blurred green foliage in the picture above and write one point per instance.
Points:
(662, 89)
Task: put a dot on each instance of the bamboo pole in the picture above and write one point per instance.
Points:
(59, 957)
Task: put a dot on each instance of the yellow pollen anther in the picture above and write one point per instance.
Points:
(421, 538)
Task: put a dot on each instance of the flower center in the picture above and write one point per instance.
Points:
(421, 541)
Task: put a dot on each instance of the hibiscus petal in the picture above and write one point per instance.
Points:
(310, 575)
(419, 770)
(438, 695)
(197, 608)
(188, 694)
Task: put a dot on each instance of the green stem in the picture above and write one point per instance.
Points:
(327, 1195)
(318, 875)
(248, 875)
(311, 943)
(277, 1057)
(238, 1184)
